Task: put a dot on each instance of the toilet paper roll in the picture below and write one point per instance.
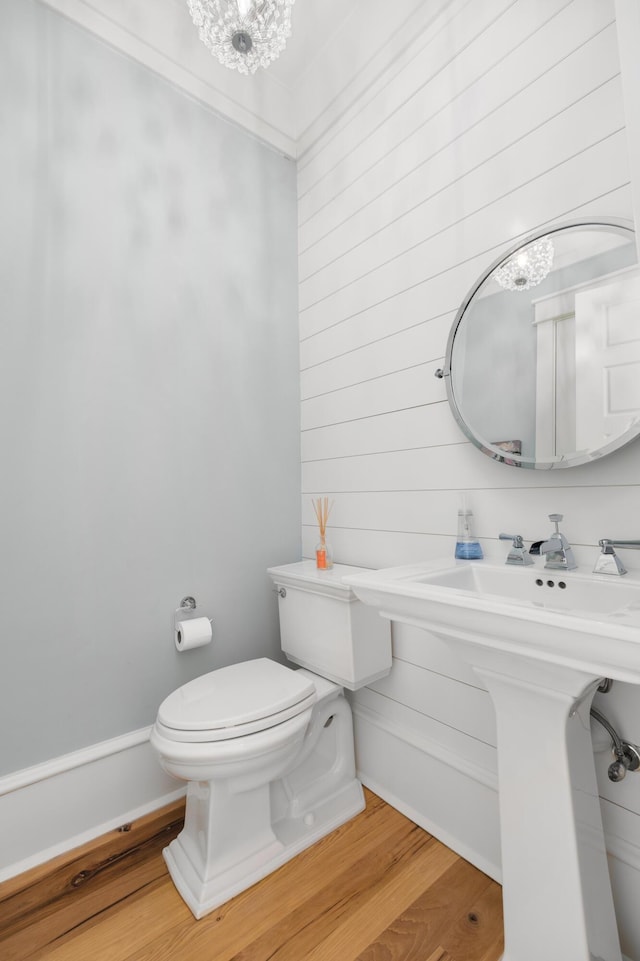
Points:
(195, 632)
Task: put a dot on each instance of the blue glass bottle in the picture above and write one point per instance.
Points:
(467, 546)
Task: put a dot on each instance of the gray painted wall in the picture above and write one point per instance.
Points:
(148, 386)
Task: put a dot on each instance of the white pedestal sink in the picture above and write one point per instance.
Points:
(541, 641)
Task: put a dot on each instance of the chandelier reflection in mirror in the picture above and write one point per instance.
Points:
(243, 34)
(528, 267)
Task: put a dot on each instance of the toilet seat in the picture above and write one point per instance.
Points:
(235, 701)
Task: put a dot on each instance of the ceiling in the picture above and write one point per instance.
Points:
(313, 23)
(337, 49)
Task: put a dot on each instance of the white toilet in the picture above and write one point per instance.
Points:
(267, 750)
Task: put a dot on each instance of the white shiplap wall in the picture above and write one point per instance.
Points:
(501, 117)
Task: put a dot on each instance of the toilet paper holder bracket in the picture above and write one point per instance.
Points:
(186, 611)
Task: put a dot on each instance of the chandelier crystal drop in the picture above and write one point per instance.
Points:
(528, 267)
(243, 34)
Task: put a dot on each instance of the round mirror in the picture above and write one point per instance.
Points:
(543, 360)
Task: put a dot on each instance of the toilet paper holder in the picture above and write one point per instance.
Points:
(184, 638)
(186, 612)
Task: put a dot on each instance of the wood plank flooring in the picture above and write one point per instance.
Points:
(377, 889)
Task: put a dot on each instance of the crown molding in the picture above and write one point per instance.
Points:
(161, 36)
(282, 107)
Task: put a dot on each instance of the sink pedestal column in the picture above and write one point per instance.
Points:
(557, 893)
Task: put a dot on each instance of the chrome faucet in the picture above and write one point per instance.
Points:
(518, 554)
(608, 561)
(557, 550)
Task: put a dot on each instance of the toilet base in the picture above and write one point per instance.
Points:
(291, 835)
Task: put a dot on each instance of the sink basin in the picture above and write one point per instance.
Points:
(540, 642)
(554, 616)
(553, 590)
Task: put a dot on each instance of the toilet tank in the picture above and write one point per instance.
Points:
(325, 628)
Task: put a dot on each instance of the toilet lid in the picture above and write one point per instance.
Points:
(236, 695)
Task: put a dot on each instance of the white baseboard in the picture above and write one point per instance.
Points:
(452, 799)
(55, 806)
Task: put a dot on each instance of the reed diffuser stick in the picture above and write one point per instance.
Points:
(322, 509)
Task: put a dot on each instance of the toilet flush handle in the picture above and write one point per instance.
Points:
(280, 591)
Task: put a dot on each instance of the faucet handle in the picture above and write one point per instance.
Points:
(555, 519)
(608, 562)
(518, 554)
(516, 538)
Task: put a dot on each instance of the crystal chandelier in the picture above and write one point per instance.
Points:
(528, 267)
(243, 34)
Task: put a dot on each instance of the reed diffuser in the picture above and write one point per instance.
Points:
(324, 556)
